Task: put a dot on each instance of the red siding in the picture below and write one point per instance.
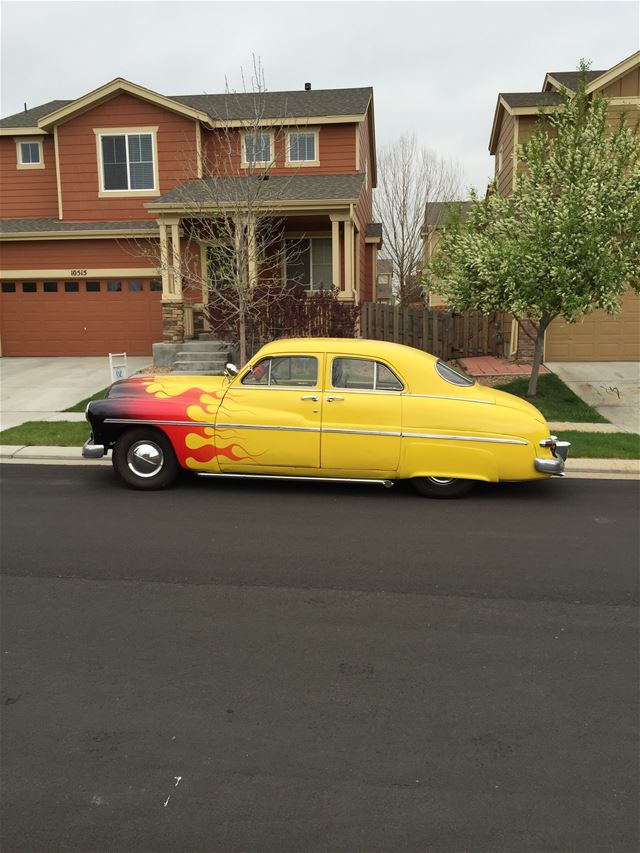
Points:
(364, 208)
(27, 193)
(72, 254)
(79, 160)
(337, 149)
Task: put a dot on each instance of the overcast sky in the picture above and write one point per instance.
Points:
(436, 67)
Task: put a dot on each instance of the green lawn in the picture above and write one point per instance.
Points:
(602, 445)
(53, 433)
(82, 405)
(555, 400)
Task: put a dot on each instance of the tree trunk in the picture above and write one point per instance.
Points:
(538, 352)
(242, 330)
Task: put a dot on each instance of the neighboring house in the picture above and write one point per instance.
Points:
(436, 216)
(383, 291)
(600, 336)
(86, 182)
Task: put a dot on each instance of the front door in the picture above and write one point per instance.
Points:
(270, 416)
(361, 424)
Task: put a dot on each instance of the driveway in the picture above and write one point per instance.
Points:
(611, 387)
(37, 389)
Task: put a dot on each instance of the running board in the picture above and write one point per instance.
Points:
(386, 483)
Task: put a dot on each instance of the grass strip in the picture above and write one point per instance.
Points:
(50, 433)
(82, 405)
(555, 400)
(602, 445)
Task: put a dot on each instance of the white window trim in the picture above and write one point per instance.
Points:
(300, 237)
(125, 131)
(261, 164)
(297, 163)
(28, 139)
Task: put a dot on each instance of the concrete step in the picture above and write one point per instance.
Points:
(205, 346)
(200, 356)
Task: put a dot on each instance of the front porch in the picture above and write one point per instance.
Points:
(334, 248)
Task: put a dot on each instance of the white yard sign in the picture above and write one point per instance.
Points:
(118, 366)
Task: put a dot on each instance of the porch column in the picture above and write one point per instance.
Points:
(335, 252)
(252, 256)
(348, 259)
(164, 261)
(176, 284)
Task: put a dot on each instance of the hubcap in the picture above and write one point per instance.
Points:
(441, 481)
(145, 458)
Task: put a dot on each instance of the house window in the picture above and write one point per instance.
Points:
(72, 287)
(30, 154)
(93, 287)
(302, 148)
(128, 162)
(309, 262)
(155, 285)
(8, 287)
(50, 286)
(257, 149)
(135, 286)
(29, 287)
(114, 286)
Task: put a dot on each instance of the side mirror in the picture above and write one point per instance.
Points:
(230, 370)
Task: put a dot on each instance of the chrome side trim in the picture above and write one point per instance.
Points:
(361, 432)
(386, 483)
(464, 438)
(269, 427)
(159, 423)
(457, 399)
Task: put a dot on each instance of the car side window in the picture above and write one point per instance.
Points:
(299, 371)
(363, 374)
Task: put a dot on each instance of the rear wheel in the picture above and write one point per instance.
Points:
(144, 459)
(441, 487)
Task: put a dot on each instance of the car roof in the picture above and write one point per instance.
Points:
(357, 346)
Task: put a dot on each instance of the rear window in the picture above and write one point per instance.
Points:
(453, 376)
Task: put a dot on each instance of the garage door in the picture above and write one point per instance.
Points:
(599, 337)
(80, 317)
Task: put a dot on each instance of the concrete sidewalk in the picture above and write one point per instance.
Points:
(39, 389)
(611, 387)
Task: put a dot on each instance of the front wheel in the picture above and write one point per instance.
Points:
(442, 487)
(144, 459)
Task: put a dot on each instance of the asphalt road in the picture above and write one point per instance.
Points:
(242, 666)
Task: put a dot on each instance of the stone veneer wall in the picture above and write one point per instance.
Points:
(173, 322)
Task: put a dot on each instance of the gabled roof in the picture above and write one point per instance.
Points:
(436, 213)
(223, 109)
(12, 228)
(240, 106)
(527, 103)
(568, 79)
(29, 118)
(228, 190)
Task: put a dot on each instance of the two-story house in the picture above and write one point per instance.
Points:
(600, 336)
(86, 183)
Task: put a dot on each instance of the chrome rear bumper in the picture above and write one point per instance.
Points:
(555, 466)
(92, 451)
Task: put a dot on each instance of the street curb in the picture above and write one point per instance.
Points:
(38, 455)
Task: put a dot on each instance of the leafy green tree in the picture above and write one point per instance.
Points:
(567, 240)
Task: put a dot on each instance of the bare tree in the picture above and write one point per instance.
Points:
(229, 209)
(410, 176)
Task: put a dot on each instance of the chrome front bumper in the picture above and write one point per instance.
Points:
(555, 466)
(92, 451)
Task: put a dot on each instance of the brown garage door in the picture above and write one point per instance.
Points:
(80, 317)
(599, 337)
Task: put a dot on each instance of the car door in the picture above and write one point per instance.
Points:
(361, 415)
(271, 414)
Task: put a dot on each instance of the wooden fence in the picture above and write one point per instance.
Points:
(445, 334)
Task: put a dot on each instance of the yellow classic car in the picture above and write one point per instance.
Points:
(325, 409)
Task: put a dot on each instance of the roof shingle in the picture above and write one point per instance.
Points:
(231, 189)
(43, 226)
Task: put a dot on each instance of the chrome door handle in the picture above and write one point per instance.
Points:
(313, 397)
(332, 397)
